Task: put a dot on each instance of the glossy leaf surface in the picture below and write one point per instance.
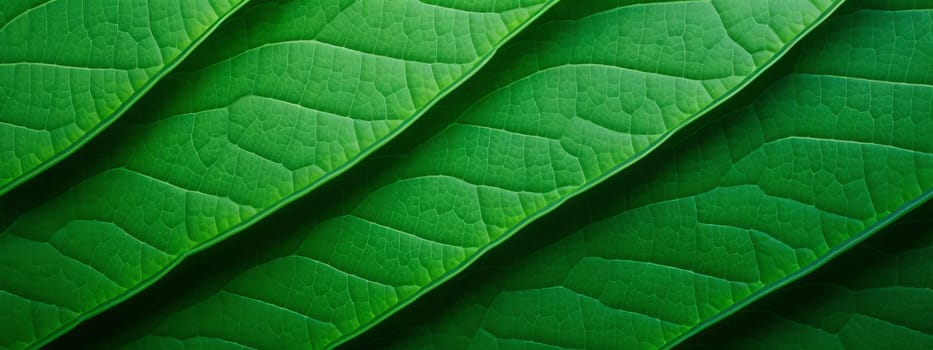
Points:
(592, 87)
(285, 96)
(814, 164)
(69, 68)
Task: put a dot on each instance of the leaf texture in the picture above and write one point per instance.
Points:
(590, 88)
(286, 96)
(69, 68)
(876, 296)
(813, 165)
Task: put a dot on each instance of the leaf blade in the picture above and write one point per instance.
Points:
(71, 124)
(444, 214)
(185, 173)
(766, 195)
(865, 298)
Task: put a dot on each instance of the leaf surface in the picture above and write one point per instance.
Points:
(69, 68)
(284, 97)
(813, 165)
(876, 296)
(592, 87)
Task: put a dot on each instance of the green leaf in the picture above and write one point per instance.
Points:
(813, 165)
(876, 296)
(284, 97)
(69, 68)
(591, 88)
